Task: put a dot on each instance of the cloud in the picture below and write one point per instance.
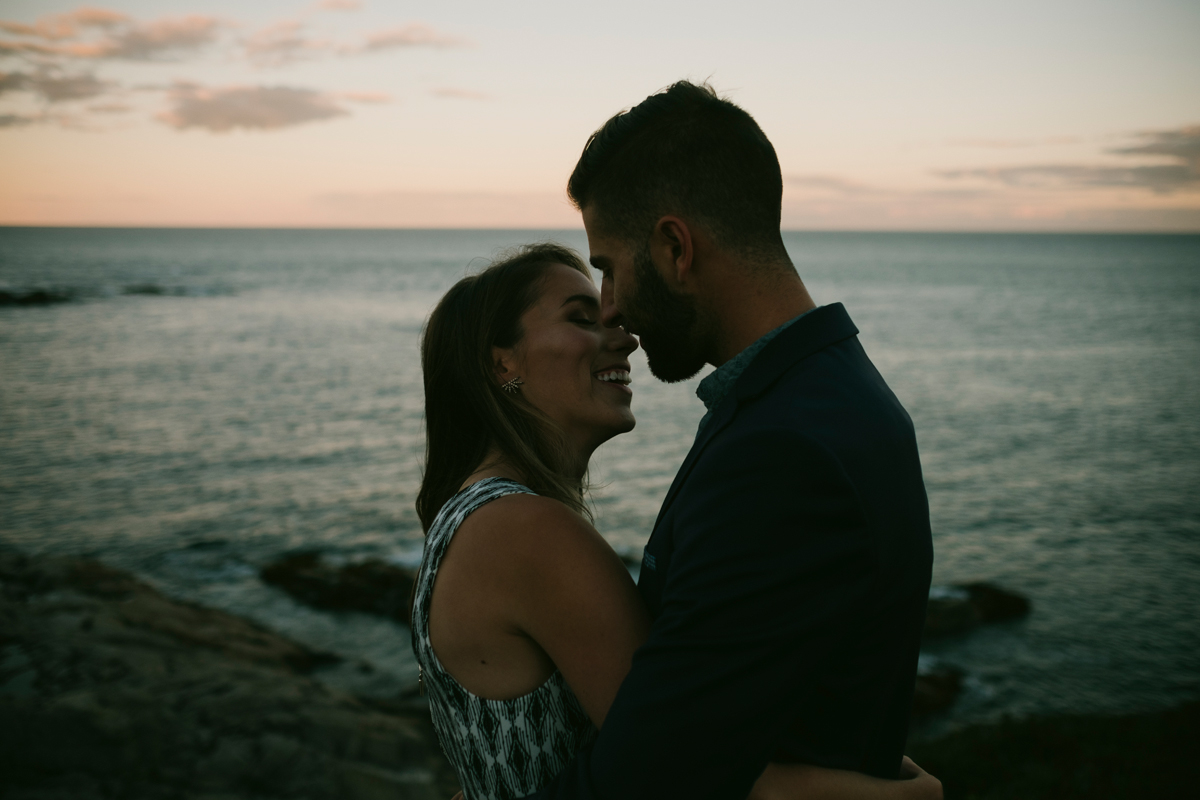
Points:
(366, 97)
(284, 43)
(415, 35)
(66, 26)
(830, 183)
(1182, 144)
(251, 107)
(57, 89)
(121, 37)
(13, 82)
(16, 120)
(110, 108)
(53, 86)
(339, 5)
(153, 40)
(453, 93)
(1013, 144)
(1163, 178)
(1180, 147)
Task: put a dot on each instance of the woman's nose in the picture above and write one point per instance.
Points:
(620, 340)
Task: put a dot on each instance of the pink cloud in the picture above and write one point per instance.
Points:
(66, 26)
(453, 93)
(339, 5)
(414, 35)
(283, 43)
(366, 97)
(121, 37)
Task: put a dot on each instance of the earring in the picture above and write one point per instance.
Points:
(513, 386)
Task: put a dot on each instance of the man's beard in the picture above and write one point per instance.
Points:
(665, 322)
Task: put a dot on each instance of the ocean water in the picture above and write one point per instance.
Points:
(212, 399)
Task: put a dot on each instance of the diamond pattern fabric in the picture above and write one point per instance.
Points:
(501, 749)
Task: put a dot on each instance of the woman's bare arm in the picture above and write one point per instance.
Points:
(574, 597)
(804, 782)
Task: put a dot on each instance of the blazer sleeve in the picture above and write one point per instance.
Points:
(772, 559)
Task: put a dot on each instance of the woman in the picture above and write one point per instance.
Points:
(524, 619)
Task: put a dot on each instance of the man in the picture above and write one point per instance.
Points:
(788, 571)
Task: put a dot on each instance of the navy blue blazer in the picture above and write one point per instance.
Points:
(786, 576)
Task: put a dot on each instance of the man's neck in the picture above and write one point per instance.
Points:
(749, 309)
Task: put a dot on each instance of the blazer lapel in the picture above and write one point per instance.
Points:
(818, 330)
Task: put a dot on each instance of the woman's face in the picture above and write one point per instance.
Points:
(575, 370)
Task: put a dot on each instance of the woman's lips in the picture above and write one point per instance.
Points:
(617, 378)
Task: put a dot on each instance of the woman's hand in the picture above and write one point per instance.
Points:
(806, 782)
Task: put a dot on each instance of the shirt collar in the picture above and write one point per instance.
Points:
(713, 389)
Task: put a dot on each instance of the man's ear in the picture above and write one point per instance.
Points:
(672, 239)
(503, 364)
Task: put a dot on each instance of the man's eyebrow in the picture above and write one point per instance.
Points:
(586, 299)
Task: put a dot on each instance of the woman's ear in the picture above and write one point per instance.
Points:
(503, 364)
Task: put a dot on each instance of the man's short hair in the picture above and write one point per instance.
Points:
(683, 151)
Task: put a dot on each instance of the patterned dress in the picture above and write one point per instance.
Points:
(500, 749)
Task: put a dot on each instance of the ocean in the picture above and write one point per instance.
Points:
(205, 401)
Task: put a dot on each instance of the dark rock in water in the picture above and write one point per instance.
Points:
(1151, 754)
(110, 689)
(949, 611)
(995, 604)
(937, 688)
(373, 586)
(34, 297)
(959, 608)
(145, 288)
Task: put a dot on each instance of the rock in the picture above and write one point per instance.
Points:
(372, 586)
(937, 687)
(995, 604)
(108, 688)
(949, 611)
(34, 297)
(959, 608)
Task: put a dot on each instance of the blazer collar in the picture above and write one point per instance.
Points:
(816, 331)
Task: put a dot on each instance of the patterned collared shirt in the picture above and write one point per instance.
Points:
(712, 390)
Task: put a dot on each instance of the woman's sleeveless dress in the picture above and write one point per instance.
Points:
(500, 748)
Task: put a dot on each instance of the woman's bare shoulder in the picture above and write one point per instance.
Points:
(524, 535)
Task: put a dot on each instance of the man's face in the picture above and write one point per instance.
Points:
(634, 295)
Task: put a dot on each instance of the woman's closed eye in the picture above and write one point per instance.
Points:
(583, 321)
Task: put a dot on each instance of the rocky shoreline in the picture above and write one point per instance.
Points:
(109, 689)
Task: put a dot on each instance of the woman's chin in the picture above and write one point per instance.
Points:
(618, 426)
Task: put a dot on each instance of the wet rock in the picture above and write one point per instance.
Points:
(938, 686)
(34, 297)
(108, 688)
(959, 608)
(371, 586)
(995, 604)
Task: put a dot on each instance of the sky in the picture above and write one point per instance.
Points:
(1074, 115)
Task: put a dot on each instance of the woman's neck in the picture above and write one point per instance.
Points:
(495, 465)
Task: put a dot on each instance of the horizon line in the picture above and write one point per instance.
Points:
(580, 229)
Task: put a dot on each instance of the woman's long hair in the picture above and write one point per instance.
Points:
(467, 414)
